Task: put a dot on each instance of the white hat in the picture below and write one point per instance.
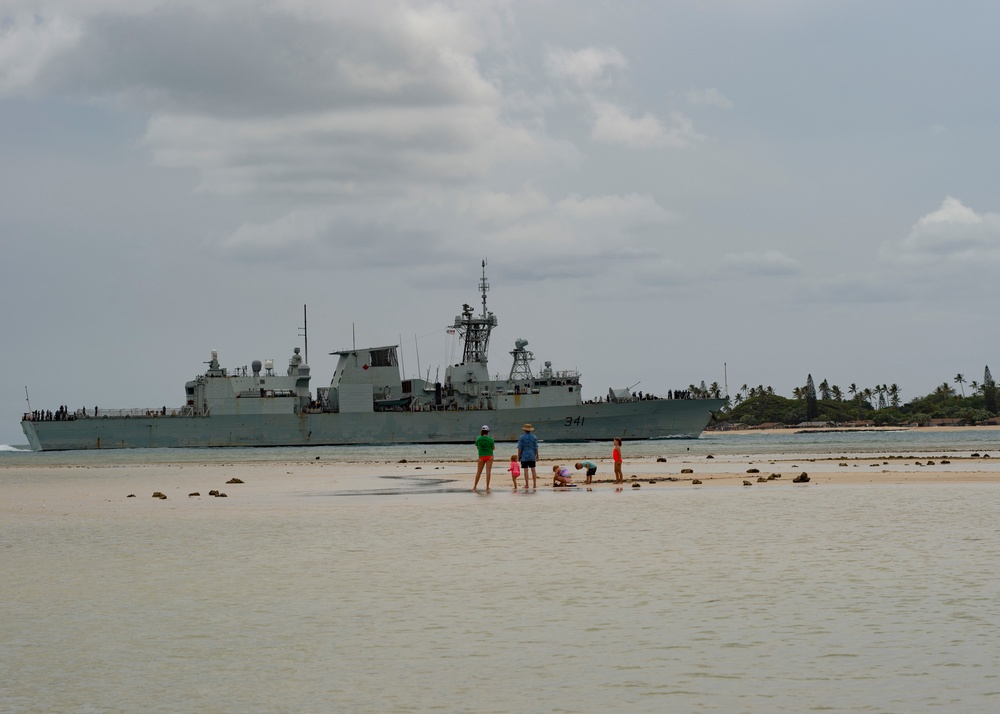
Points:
(485, 428)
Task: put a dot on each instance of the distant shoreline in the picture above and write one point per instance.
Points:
(847, 429)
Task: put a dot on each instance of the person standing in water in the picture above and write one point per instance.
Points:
(616, 454)
(515, 471)
(485, 446)
(527, 454)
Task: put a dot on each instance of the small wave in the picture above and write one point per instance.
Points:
(8, 447)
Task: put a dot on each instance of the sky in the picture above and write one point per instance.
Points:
(670, 192)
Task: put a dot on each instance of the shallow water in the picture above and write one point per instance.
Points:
(751, 443)
(778, 599)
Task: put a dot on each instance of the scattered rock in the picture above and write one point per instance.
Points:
(636, 485)
(651, 481)
(753, 471)
(842, 463)
(191, 495)
(213, 492)
(945, 461)
(159, 494)
(401, 461)
(219, 494)
(975, 455)
(986, 456)
(773, 476)
(801, 478)
(709, 457)
(747, 483)
(234, 480)
(930, 463)
(661, 459)
(696, 481)
(131, 495)
(761, 479)
(687, 471)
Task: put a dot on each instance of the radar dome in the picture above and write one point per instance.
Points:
(255, 365)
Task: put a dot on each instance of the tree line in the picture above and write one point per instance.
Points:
(880, 404)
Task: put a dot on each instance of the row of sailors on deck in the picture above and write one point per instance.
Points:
(60, 414)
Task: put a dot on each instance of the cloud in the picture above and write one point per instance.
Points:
(28, 43)
(526, 231)
(492, 207)
(612, 125)
(856, 287)
(708, 98)
(344, 153)
(295, 97)
(769, 262)
(954, 234)
(586, 67)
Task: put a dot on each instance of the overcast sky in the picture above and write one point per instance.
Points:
(660, 189)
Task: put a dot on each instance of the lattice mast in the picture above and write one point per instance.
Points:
(476, 330)
(521, 367)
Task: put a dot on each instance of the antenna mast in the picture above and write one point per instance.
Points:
(476, 330)
(304, 331)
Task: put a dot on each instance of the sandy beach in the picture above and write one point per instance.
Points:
(103, 489)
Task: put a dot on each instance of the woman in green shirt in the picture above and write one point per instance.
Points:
(485, 447)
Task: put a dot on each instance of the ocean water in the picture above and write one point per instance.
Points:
(789, 598)
(939, 441)
(778, 599)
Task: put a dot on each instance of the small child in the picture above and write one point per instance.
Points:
(616, 454)
(591, 469)
(515, 471)
(561, 476)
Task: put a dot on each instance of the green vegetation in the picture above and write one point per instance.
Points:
(879, 405)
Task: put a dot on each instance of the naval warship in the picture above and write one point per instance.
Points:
(369, 402)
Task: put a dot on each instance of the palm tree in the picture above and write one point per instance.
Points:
(975, 387)
(960, 381)
(853, 390)
(837, 394)
(894, 395)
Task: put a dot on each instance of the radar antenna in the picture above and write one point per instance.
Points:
(521, 368)
(475, 331)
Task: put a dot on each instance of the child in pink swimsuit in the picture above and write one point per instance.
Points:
(515, 470)
(616, 454)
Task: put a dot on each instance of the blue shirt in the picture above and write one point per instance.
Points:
(527, 447)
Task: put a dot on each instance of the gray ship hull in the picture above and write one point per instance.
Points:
(643, 419)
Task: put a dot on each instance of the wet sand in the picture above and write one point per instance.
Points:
(291, 484)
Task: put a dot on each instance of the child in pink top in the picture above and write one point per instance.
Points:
(515, 470)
